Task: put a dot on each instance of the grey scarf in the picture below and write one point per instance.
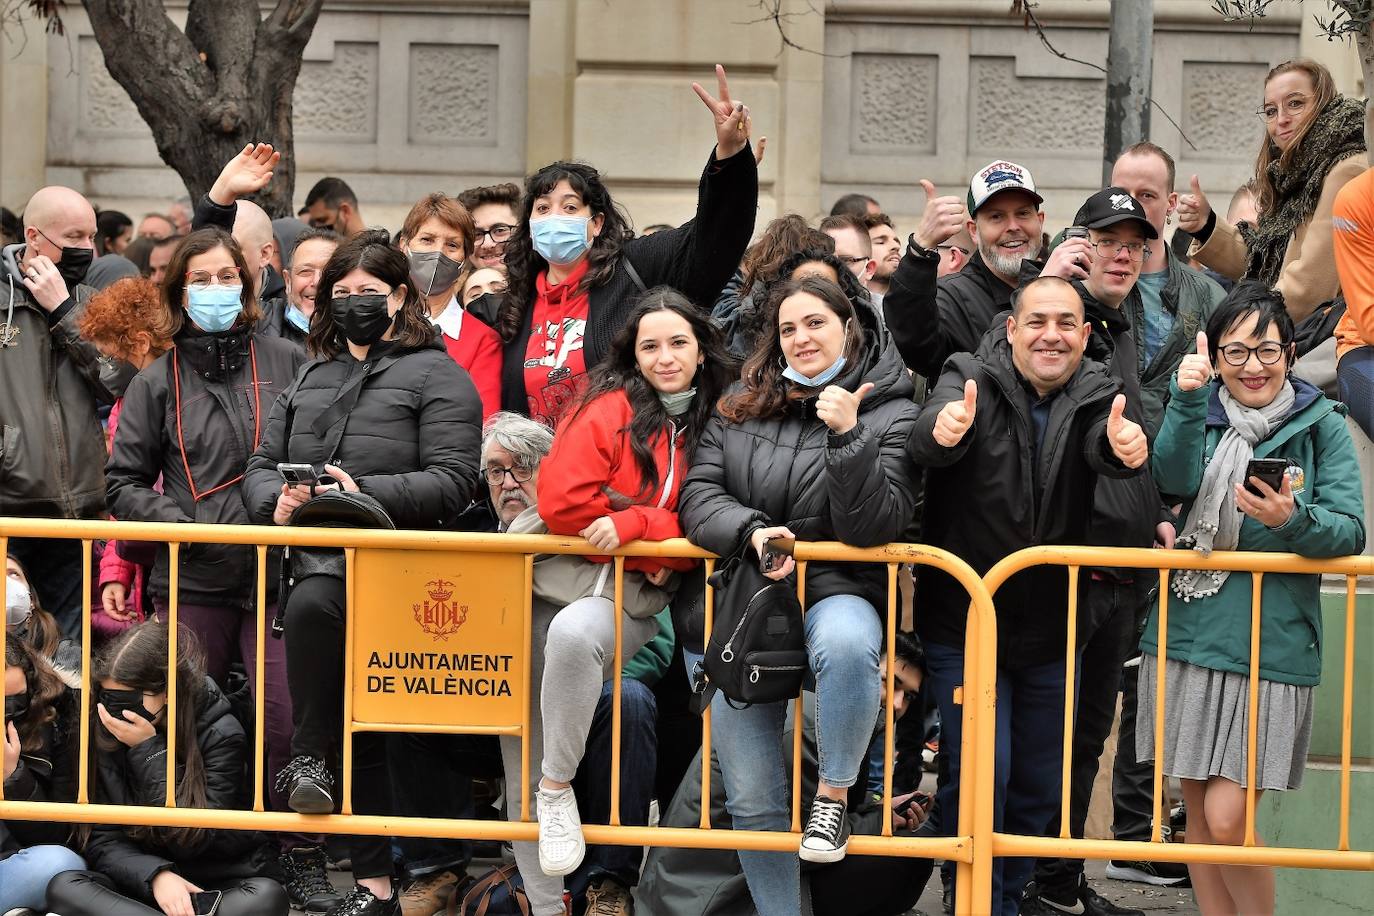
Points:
(1213, 521)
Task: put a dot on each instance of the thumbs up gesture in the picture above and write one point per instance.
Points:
(1193, 209)
(956, 417)
(838, 409)
(1126, 437)
(942, 219)
(1195, 370)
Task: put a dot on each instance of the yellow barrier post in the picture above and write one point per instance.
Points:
(259, 678)
(617, 609)
(173, 599)
(709, 603)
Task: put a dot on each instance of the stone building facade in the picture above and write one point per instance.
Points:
(400, 97)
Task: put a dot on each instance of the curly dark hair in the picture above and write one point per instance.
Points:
(765, 392)
(784, 236)
(523, 263)
(122, 310)
(620, 370)
(372, 252)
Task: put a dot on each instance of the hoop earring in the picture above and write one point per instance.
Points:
(782, 361)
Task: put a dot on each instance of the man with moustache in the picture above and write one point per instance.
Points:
(932, 317)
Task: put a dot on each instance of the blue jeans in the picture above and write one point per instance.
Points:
(24, 876)
(1355, 379)
(843, 637)
(1030, 734)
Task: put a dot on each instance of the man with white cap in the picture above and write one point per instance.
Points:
(931, 319)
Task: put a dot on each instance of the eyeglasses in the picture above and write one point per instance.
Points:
(959, 248)
(496, 234)
(200, 279)
(1291, 106)
(496, 475)
(1238, 354)
(1110, 248)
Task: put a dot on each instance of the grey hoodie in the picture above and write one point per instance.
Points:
(52, 449)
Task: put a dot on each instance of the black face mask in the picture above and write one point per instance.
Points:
(363, 319)
(73, 264)
(16, 706)
(116, 701)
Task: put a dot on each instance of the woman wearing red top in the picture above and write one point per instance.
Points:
(575, 267)
(437, 237)
(612, 476)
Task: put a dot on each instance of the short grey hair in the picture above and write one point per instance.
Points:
(527, 441)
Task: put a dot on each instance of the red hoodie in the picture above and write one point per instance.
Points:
(591, 471)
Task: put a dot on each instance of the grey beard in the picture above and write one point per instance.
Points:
(1006, 266)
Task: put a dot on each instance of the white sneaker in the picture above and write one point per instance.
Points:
(561, 847)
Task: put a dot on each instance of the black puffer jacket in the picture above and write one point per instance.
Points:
(138, 776)
(932, 319)
(988, 497)
(274, 323)
(46, 773)
(696, 258)
(411, 441)
(224, 379)
(859, 488)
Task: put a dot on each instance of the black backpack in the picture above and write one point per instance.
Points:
(756, 652)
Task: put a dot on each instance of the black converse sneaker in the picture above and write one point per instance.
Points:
(827, 832)
(362, 902)
(307, 782)
(307, 885)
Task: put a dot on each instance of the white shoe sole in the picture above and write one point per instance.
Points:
(1117, 873)
(563, 867)
(822, 855)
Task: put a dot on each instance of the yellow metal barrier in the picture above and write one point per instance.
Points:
(1075, 558)
(373, 558)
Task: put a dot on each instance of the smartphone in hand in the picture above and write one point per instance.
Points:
(774, 550)
(297, 475)
(1269, 470)
(206, 903)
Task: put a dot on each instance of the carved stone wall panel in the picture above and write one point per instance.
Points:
(106, 109)
(1011, 112)
(892, 103)
(454, 94)
(1218, 105)
(336, 100)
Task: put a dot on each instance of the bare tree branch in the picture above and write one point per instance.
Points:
(1027, 10)
(772, 11)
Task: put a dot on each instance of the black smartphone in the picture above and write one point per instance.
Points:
(774, 550)
(297, 474)
(1269, 470)
(206, 903)
(1076, 232)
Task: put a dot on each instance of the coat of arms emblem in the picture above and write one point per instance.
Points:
(440, 616)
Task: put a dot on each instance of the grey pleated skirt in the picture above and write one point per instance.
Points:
(1205, 720)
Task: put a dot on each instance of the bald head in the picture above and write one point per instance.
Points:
(253, 232)
(57, 218)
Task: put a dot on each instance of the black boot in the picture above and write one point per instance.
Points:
(306, 883)
(362, 902)
(308, 784)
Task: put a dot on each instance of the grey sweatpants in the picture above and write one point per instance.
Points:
(572, 653)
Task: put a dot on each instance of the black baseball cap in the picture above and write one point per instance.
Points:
(1111, 206)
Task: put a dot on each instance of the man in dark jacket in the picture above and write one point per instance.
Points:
(52, 451)
(1016, 437)
(930, 319)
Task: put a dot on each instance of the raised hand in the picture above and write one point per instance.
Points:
(1195, 370)
(732, 117)
(838, 409)
(1193, 209)
(1126, 437)
(942, 219)
(247, 173)
(1070, 260)
(956, 417)
(44, 281)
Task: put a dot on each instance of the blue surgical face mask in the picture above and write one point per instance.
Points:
(214, 308)
(560, 239)
(297, 318)
(825, 377)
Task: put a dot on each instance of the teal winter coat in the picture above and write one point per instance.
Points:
(1328, 521)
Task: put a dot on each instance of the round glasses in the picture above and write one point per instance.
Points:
(1238, 354)
(496, 475)
(496, 234)
(200, 279)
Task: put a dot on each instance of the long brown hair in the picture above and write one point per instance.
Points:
(784, 236)
(372, 252)
(1324, 91)
(137, 658)
(41, 631)
(766, 393)
(44, 689)
(174, 284)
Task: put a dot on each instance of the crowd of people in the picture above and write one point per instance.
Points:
(520, 360)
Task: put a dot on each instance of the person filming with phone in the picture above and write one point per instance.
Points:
(812, 445)
(1261, 461)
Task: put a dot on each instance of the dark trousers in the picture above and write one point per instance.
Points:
(868, 886)
(1030, 726)
(1133, 786)
(315, 615)
(430, 777)
(88, 893)
(1355, 379)
(1116, 608)
(54, 572)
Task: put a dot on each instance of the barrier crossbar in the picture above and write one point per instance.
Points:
(1074, 559)
(970, 848)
